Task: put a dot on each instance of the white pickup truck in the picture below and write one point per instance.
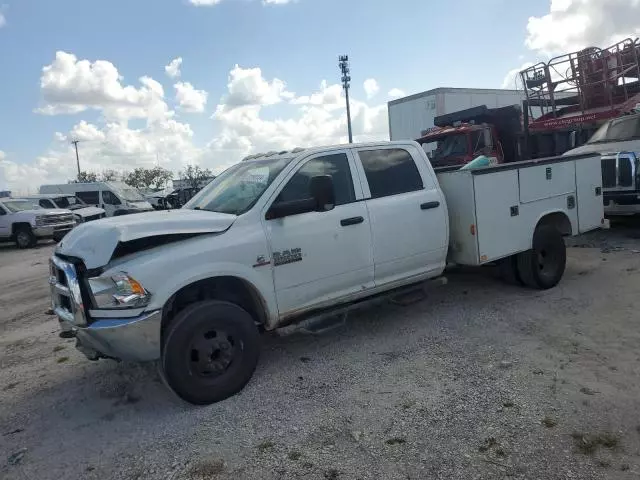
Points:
(283, 237)
(25, 222)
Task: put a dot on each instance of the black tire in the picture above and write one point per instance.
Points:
(508, 268)
(543, 266)
(25, 237)
(230, 338)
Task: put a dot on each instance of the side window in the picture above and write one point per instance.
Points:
(109, 198)
(91, 198)
(335, 165)
(390, 172)
(44, 203)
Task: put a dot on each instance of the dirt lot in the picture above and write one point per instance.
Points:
(480, 381)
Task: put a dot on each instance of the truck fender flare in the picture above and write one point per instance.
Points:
(557, 218)
(268, 304)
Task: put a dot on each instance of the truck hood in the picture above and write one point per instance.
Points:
(607, 148)
(88, 211)
(39, 212)
(95, 242)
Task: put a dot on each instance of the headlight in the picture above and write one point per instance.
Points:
(39, 221)
(118, 291)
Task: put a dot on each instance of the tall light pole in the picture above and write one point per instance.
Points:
(344, 68)
(75, 144)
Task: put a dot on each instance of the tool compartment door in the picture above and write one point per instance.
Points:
(499, 222)
(589, 192)
(546, 181)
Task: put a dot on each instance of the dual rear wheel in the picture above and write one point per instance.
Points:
(541, 267)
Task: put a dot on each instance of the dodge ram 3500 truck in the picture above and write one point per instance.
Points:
(286, 236)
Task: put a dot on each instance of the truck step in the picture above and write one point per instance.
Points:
(324, 321)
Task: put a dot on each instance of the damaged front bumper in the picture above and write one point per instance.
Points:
(134, 339)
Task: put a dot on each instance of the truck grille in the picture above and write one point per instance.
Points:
(55, 219)
(66, 298)
(609, 173)
(618, 172)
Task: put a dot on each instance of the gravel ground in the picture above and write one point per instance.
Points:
(480, 380)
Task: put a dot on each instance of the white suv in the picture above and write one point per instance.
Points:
(24, 222)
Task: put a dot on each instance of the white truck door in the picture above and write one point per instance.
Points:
(407, 212)
(589, 192)
(321, 256)
(5, 222)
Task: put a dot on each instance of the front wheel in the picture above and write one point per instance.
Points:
(542, 267)
(25, 238)
(210, 351)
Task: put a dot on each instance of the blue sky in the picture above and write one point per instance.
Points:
(412, 45)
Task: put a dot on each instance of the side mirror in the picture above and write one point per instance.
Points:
(321, 199)
(322, 191)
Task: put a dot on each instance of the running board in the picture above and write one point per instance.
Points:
(328, 319)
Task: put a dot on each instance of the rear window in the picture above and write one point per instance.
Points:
(390, 171)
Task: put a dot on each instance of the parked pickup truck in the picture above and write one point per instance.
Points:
(23, 222)
(283, 237)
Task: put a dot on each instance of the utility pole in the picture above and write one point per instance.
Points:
(75, 144)
(343, 63)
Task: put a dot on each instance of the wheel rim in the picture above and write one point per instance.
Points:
(23, 239)
(211, 352)
(548, 261)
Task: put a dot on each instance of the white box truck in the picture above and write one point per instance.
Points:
(281, 238)
(412, 115)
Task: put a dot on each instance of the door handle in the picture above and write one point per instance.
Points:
(345, 222)
(429, 205)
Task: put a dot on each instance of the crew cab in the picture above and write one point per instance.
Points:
(282, 237)
(24, 222)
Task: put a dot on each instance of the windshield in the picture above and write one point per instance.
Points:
(129, 194)
(70, 202)
(618, 130)
(451, 145)
(19, 205)
(237, 189)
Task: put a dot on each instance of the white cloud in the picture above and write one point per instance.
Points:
(70, 85)
(572, 25)
(189, 99)
(3, 20)
(396, 93)
(512, 79)
(329, 97)
(173, 69)
(371, 87)
(248, 87)
(277, 2)
(244, 122)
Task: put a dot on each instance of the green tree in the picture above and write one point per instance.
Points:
(195, 176)
(86, 177)
(111, 176)
(156, 177)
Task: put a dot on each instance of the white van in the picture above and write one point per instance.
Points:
(116, 198)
